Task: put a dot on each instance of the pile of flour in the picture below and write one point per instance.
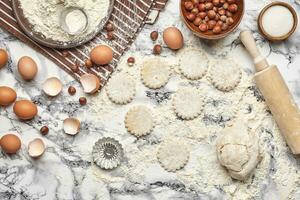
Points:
(44, 15)
(276, 176)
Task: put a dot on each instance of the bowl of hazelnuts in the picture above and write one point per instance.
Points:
(212, 19)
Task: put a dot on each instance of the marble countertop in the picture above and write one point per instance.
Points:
(66, 171)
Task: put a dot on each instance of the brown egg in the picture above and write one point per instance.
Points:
(101, 55)
(173, 38)
(3, 58)
(25, 109)
(10, 143)
(27, 68)
(7, 96)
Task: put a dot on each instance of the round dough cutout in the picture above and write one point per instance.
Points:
(155, 73)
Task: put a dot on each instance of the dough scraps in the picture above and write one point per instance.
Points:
(155, 73)
(173, 155)
(225, 75)
(188, 103)
(139, 121)
(121, 89)
(193, 63)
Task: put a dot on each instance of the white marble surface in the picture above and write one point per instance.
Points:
(66, 170)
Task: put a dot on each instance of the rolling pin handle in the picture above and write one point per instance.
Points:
(247, 39)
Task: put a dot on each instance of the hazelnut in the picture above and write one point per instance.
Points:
(217, 30)
(224, 27)
(65, 53)
(195, 11)
(211, 14)
(197, 21)
(201, 7)
(88, 63)
(202, 1)
(222, 1)
(230, 1)
(71, 90)
(74, 68)
(206, 19)
(82, 101)
(211, 24)
(219, 23)
(109, 27)
(225, 6)
(222, 12)
(203, 27)
(130, 61)
(202, 15)
(229, 21)
(195, 1)
(188, 5)
(209, 6)
(44, 130)
(223, 18)
(154, 35)
(216, 2)
(233, 8)
(191, 16)
(110, 35)
(157, 49)
(217, 17)
(228, 14)
(215, 9)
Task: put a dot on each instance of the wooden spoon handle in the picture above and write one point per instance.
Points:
(259, 61)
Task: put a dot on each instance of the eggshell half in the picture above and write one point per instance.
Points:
(27, 68)
(90, 83)
(36, 148)
(25, 109)
(101, 55)
(10, 143)
(71, 126)
(52, 86)
(173, 38)
(7, 96)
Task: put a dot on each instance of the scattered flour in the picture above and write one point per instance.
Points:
(44, 15)
(203, 174)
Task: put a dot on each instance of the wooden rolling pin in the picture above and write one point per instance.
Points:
(276, 94)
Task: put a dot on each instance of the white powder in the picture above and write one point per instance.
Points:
(203, 174)
(45, 16)
(75, 21)
(277, 21)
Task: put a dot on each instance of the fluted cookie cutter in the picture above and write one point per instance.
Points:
(107, 153)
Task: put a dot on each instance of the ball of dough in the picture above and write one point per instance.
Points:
(238, 151)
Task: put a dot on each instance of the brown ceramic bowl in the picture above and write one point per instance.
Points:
(209, 35)
(284, 37)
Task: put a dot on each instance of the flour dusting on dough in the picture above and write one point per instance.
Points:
(202, 175)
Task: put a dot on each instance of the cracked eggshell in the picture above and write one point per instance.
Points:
(90, 83)
(71, 126)
(36, 148)
(52, 86)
